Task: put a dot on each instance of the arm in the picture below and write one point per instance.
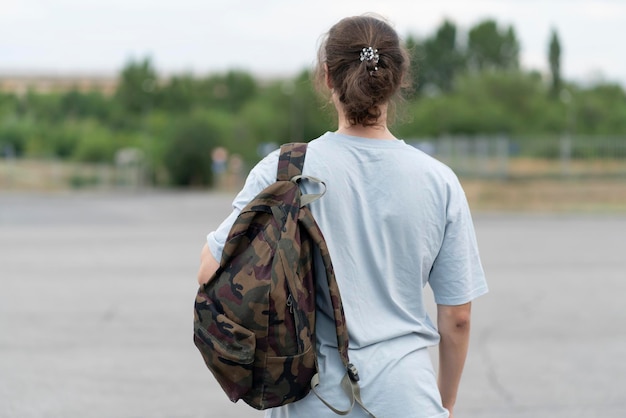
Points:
(261, 176)
(208, 265)
(453, 323)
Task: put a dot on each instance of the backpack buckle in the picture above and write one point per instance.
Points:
(353, 373)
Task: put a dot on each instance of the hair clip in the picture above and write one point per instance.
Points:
(370, 54)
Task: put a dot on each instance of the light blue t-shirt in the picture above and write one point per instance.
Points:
(395, 220)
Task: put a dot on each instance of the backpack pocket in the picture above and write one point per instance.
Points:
(228, 351)
(288, 379)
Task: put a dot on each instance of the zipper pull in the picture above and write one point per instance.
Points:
(290, 303)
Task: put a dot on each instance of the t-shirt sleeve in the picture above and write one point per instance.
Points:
(261, 176)
(457, 275)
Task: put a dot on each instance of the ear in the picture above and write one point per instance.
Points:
(329, 84)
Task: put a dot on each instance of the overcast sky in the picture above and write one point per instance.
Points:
(276, 37)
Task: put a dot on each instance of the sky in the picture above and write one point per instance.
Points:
(280, 37)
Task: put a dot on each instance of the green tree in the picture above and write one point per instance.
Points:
(9, 105)
(180, 94)
(188, 153)
(442, 58)
(90, 141)
(230, 91)
(43, 106)
(600, 110)
(490, 47)
(416, 57)
(308, 116)
(487, 103)
(137, 87)
(15, 133)
(76, 104)
(554, 58)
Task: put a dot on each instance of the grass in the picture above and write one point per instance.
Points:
(549, 185)
(53, 175)
(547, 195)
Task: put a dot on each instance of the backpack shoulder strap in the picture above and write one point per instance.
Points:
(290, 166)
(291, 160)
(350, 381)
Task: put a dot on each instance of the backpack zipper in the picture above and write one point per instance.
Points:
(296, 321)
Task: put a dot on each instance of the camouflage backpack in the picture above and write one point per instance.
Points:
(254, 321)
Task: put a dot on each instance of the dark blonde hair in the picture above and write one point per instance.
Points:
(362, 85)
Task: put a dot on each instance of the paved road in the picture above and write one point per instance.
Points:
(96, 294)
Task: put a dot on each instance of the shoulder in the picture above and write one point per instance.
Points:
(264, 172)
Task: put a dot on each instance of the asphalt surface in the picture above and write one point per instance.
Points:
(96, 298)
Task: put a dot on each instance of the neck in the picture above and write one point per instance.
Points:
(377, 131)
(374, 132)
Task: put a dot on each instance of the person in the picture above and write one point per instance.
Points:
(395, 219)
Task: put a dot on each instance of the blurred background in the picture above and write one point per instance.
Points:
(137, 94)
(126, 127)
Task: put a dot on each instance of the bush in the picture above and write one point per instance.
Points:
(96, 144)
(188, 152)
(14, 135)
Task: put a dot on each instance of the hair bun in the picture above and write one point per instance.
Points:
(363, 80)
